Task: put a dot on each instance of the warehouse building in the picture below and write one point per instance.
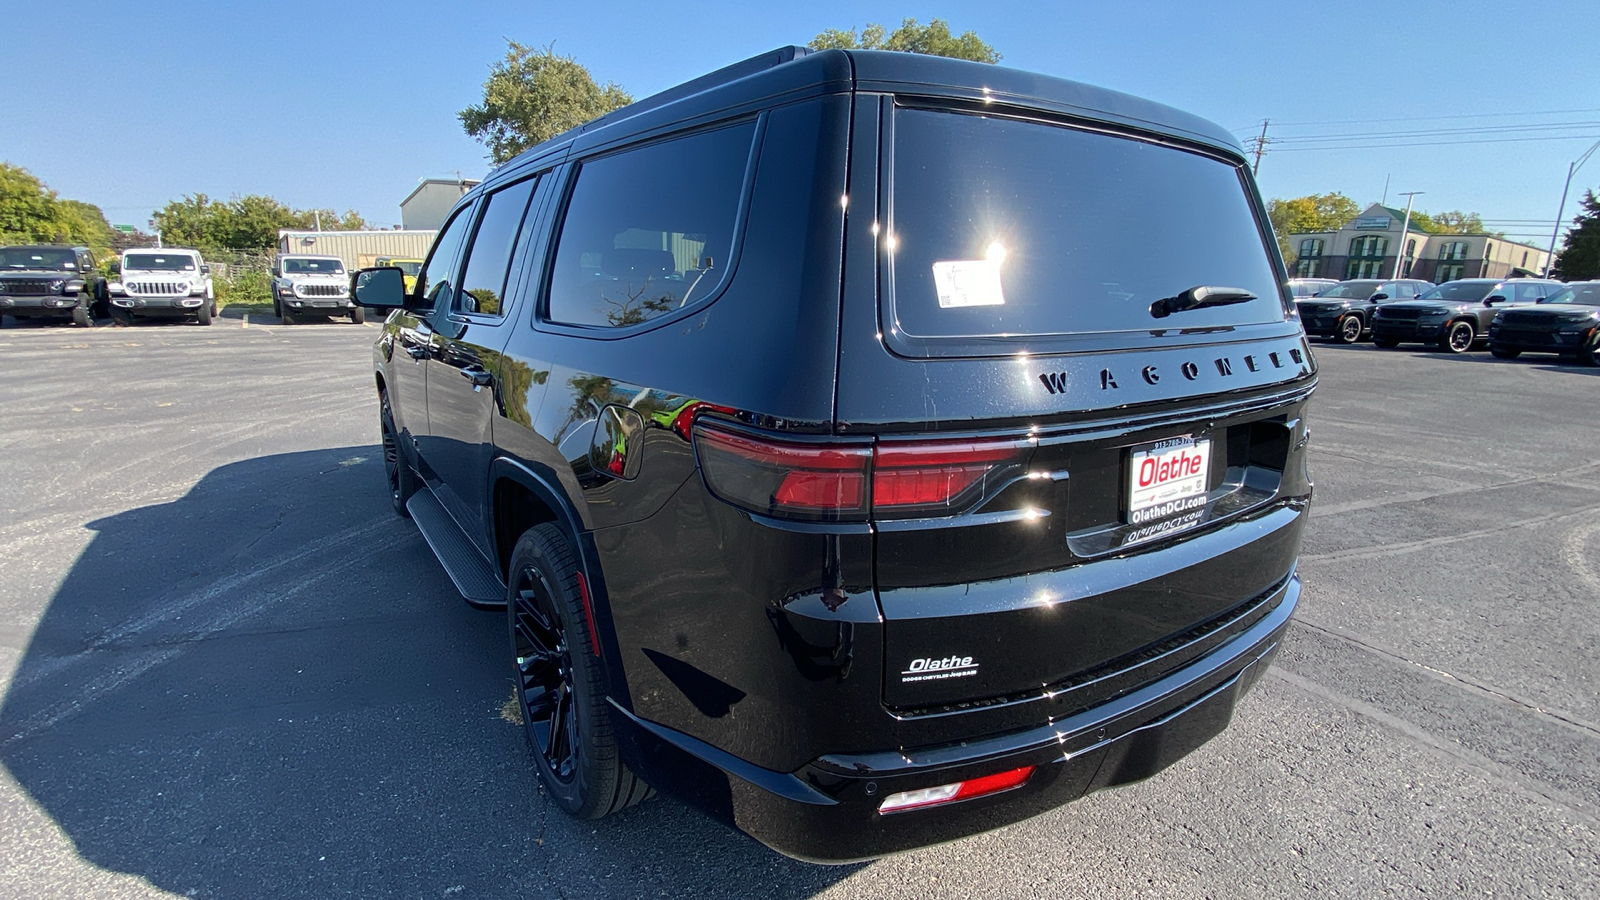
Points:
(357, 249)
(1367, 245)
(424, 209)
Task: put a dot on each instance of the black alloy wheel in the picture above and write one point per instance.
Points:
(1458, 338)
(397, 472)
(1350, 328)
(560, 683)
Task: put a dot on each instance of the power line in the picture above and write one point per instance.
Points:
(1557, 137)
(1435, 132)
(1536, 112)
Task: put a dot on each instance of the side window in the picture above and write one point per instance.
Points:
(483, 283)
(435, 285)
(649, 230)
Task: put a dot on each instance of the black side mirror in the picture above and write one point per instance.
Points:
(1493, 299)
(1378, 297)
(382, 287)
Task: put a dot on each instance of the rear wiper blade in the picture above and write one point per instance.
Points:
(1198, 297)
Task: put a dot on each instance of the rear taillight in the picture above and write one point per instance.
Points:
(852, 481)
(822, 481)
(957, 791)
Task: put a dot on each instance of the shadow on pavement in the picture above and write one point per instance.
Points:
(268, 688)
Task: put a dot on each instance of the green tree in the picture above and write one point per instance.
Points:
(31, 213)
(933, 39)
(250, 222)
(1311, 213)
(533, 95)
(1453, 222)
(1579, 259)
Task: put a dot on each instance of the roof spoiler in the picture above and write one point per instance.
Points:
(725, 75)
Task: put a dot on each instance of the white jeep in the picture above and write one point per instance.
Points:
(312, 284)
(167, 282)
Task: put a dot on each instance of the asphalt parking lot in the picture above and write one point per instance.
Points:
(227, 670)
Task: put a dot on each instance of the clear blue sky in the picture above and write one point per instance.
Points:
(346, 105)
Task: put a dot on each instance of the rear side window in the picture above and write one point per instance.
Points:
(649, 230)
(1007, 228)
(483, 284)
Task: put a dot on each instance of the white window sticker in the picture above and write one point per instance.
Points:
(968, 282)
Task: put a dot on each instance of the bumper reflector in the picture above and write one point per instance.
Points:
(960, 790)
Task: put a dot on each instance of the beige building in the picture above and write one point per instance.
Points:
(1367, 245)
(357, 249)
(424, 209)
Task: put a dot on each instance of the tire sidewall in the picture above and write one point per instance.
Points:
(1448, 343)
(1344, 325)
(545, 550)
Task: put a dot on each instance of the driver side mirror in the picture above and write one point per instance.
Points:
(1378, 297)
(1493, 299)
(205, 270)
(381, 287)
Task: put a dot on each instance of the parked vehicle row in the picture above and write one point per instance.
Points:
(1527, 314)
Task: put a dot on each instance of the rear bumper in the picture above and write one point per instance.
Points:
(828, 810)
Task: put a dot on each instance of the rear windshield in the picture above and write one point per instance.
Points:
(1011, 228)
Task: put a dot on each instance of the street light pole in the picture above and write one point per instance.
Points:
(1400, 251)
(1550, 259)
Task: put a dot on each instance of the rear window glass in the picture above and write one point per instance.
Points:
(649, 231)
(1010, 228)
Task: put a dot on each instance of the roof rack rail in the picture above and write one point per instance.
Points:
(758, 63)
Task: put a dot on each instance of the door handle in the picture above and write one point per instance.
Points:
(417, 353)
(479, 376)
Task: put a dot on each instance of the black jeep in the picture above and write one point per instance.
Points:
(844, 458)
(51, 282)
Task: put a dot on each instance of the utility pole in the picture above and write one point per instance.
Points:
(1261, 146)
(1550, 260)
(316, 216)
(1400, 251)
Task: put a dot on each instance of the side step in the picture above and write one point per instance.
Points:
(474, 577)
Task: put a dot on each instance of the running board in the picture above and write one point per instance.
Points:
(474, 577)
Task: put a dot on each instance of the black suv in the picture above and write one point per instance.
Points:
(1455, 316)
(1344, 311)
(50, 281)
(1567, 322)
(845, 459)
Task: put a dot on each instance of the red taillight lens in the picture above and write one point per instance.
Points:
(955, 791)
(933, 474)
(811, 481)
(836, 481)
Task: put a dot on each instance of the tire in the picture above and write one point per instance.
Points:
(121, 319)
(283, 314)
(81, 317)
(560, 684)
(1349, 330)
(1458, 337)
(1590, 355)
(358, 316)
(203, 315)
(1385, 343)
(400, 477)
(1503, 353)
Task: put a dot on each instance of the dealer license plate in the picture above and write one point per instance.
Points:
(1168, 479)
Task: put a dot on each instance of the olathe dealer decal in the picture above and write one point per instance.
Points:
(936, 669)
